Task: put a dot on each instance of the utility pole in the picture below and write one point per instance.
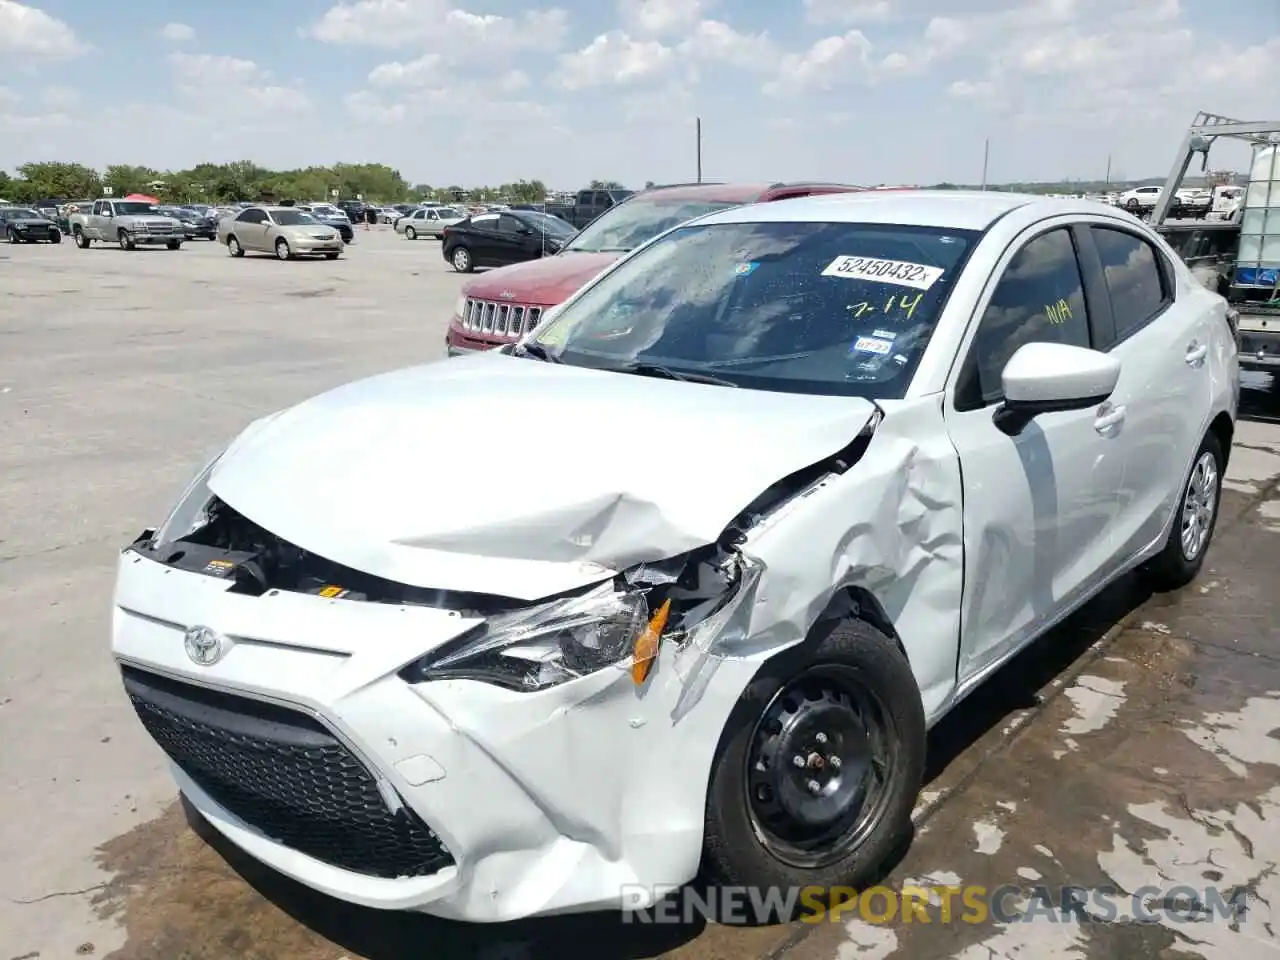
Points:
(698, 130)
(1108, 170)
(986, 157)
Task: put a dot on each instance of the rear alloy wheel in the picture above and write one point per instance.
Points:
(461, 260)
(819, 766)
(282, 249)
(410, 233)
(234, 248)
(1184, 552)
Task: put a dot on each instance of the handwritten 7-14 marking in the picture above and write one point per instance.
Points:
(917, 275)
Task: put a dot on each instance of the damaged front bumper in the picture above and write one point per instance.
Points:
(302, 742)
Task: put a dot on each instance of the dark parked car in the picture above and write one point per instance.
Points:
(588, 205)
(499, 239)
(321, 213)
(24, 225)
(195, 223)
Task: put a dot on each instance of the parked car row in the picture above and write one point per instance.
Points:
(500, 306)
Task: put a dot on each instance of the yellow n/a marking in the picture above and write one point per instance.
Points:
(1059, 312)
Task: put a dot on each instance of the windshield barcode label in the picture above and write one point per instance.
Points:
(900, 272)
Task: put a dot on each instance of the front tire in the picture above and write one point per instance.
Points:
(461, 260)
(12, 235)
(174, 244)
(332, 256)
(82, 241)
(410, 233)
(1183, 555)
(819, 766)
(234, 248)
(125, 241)
(56, 238)
(282, 250)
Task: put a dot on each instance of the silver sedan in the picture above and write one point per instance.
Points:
(428, 222)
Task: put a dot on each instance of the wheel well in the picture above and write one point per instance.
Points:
(855, 603)
(1224, 430)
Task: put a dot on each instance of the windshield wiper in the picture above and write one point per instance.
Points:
(538, 352)
(666, 373)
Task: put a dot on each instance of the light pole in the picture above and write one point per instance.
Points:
(698, 136)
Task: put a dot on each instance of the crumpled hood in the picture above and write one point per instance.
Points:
(496, 474)
(547, 280)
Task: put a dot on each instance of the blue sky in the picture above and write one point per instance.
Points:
(482, 91)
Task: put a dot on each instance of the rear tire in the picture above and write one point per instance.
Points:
(1178, 563)
(848, 707)
(460, 257)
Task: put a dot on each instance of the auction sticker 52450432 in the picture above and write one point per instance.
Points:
(901, 272)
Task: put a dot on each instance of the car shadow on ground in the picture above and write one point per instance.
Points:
(379, 935)
(1260, 405)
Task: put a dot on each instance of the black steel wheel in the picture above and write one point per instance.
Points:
(819, 765)
(817, 769)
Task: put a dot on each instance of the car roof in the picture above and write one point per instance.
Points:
(948, 209)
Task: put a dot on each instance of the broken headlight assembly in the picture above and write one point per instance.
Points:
(551, 643)
(618, 624)
(191, 512)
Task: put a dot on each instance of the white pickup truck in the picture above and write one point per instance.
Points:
(127, 223)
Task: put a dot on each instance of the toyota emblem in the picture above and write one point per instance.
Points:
(204, 645)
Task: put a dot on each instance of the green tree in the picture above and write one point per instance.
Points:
(47, 180)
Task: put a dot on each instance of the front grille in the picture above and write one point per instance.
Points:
(499, 318)
(283, 773)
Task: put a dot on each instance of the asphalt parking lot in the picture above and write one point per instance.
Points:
(1137, 745)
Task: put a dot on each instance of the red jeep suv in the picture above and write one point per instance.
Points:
(502, 305)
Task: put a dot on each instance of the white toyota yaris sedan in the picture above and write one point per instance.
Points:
(775, 492)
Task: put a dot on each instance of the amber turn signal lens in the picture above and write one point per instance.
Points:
(646, 648)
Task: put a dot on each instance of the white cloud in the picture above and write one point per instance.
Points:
(424, 71)
(847, 12)
(60, 98)
(714, 40)
(661, 17)
(1071, 61)
(177, 32)
(403, 23)
(232, 88)
(28, 33)
(612, 59)
(831, 62)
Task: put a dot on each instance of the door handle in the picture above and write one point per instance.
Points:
(1109, 418)
(1196, 352)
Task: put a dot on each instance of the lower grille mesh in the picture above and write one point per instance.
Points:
(287, 776)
